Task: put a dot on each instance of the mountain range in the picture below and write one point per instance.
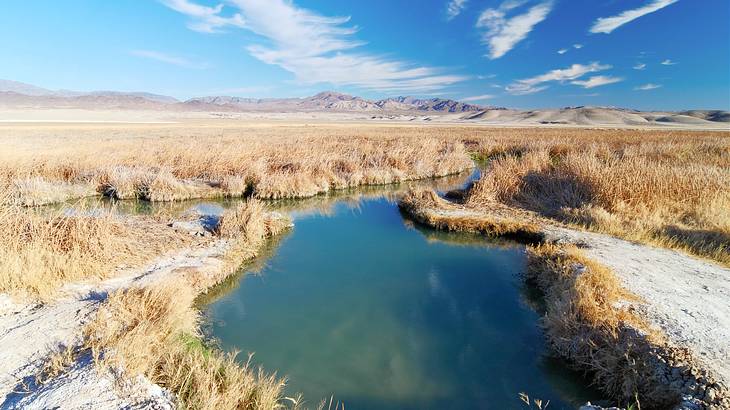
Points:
(17, 95)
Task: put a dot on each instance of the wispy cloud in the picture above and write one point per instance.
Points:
(477, 98)
(639, 66)
(647, 87)
(565, 50)
(538, 83)
(454, 8)
(608, 24)
(203, 18)
(668, 62)
(320, 49)
(168, 59)
(597, 81)
(502, 33)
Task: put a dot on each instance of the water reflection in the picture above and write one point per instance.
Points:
(359, 304)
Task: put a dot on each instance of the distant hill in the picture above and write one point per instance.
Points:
(19, 95)
(15, 92)
(332, 101)
(431, 104)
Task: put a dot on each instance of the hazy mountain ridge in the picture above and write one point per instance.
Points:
(329, 100)
(17, 95)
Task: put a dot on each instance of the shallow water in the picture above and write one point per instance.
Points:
(358, 303)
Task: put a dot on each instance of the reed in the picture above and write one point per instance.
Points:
(663, 192)
(589, 322)
(154, 332)
(42, 251)
(271, 163)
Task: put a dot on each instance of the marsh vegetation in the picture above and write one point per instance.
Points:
(667, 188)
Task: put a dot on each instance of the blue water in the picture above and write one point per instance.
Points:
(358, 303)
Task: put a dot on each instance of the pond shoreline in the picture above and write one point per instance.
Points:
(676, 364)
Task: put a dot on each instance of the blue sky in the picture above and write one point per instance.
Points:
(645, 54)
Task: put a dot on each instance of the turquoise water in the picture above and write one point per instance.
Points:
(358, 303)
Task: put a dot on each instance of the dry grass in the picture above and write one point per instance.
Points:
(427, 208)
(199, 162)
(588, 322)
(154, 332)
(662, 189)
(41, 252)
(247, 226)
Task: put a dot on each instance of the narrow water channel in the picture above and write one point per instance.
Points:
(359, 303)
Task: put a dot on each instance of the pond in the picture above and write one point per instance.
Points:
(358, 303)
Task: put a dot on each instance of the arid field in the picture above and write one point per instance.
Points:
(667, 189)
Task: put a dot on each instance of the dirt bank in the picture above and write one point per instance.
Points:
(681, 297)
(43, 333)
(37, 331)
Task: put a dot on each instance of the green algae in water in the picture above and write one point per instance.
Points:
(359, 304)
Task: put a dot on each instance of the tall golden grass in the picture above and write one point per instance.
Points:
(175, 164)
(40, 252)
(154, 332)
(589, 322)
(660, 190)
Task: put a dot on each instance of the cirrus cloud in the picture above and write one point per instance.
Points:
(502, 33)
(454, 8)
(539, 83)
(608, 24)
(168, 59)
(203, 18)
(319, 49)
(647, 87)
(597, 81)
(477, 98)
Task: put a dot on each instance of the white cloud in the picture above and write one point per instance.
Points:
(608, 24)
(536, 84)
(668, 62)
(647, 87)
(477, 98)
(486, 77)
(454, 8)
(640, 66)
(167, 59)
(501, 33)
(565, 50)
(319, 49)
(597, 81)
(204, 19)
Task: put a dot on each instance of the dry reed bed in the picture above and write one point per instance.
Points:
(426, 207)
(589, 322)
(590, 319)
(39, 253)
(154, 331)
(173, 164)
(670, 190)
